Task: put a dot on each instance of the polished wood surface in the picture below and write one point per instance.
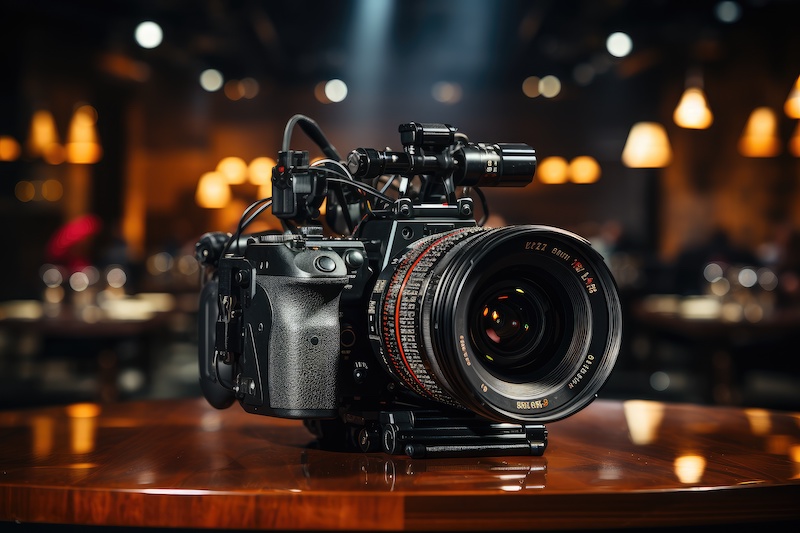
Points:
(180, 463)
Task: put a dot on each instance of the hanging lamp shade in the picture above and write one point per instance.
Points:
(82, 144)
(692, 111)
(647, 146)
(213, 191)
(43, 138)
(760, 135)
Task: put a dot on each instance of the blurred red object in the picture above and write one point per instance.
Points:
(70, 245)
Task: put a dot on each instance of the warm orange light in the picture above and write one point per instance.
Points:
(792, 105)
(584, 169)
(647, 146)
(84, 153)
(552, 170)
(794, 142)
(760, 420)
(259, 171)
(43, 133)
(83, 410)
(234, 169)
(24, 191)
(82, 144)
(9, 148)
(644, 419)
(265, 190)
(213, 191)
(233, 90)
(83, 426)
(43, 432)
(760, 136)
(52, 190)
(54, 154)
(689, 468)
(692, 111)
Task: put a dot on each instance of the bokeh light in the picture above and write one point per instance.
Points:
(619, 44)
(530, 87)
(9, 148)
(446, 92)
(211, 80)
(148, 34)
(336, 90)
(549, 86)
(234, 169)
(553, 170)
(728, 12)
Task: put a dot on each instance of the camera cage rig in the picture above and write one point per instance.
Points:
(442, 159)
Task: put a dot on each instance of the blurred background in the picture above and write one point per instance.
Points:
(667, 134)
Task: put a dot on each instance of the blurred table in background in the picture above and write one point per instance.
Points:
(65, 347)
(725, 343)
(183, 464)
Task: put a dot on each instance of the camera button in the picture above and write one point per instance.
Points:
(324, 263)
(353, 259)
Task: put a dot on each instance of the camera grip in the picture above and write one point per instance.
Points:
(303, 353)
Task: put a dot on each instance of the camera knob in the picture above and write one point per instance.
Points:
(353, 259)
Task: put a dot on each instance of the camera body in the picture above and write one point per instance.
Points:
(419, 332)
(308, 296)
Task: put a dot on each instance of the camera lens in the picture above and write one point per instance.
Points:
(521, 323)
(514, 326)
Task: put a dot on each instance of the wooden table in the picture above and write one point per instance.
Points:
(180, 463)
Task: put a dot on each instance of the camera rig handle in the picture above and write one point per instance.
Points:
(442, 157)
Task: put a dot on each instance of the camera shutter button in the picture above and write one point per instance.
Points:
(325, 263)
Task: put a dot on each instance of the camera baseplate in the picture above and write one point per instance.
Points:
(433, 434)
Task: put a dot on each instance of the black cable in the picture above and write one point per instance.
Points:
(254, 215)
(219, 378)
(313, 131)
(484, 206)
(267, 202)
(363, 187)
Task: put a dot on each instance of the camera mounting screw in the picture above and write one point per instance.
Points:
(465, 208)
(404, 207)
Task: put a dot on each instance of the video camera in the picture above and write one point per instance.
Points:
(409, 327)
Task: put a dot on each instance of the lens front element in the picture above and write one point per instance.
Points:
(513, 326)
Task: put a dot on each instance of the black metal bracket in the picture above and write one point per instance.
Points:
(429, 434)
